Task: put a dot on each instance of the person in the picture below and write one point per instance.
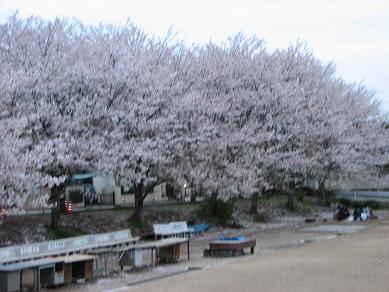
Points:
(341, 213)
(357, 213)
(368, 213)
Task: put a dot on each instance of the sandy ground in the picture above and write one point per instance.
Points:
(351, 262)
(289, 257)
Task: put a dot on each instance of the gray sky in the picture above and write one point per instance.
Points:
(354, 34)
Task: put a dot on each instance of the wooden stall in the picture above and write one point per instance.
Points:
(48, 272)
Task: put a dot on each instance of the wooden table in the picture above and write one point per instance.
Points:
(235, 247)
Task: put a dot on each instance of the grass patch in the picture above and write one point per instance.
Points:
(305, 209)
(139, 227)
(261, 217)
(360, 203)
(303, 205)
(220, 212)
(62, 232)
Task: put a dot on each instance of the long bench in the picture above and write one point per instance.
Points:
(172, 229)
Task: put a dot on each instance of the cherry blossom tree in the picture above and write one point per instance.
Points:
(232, 119)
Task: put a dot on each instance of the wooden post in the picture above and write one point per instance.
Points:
(188, 248)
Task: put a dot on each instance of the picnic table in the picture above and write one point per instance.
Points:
(229, 247)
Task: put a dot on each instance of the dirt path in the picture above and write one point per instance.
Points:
(352, 262)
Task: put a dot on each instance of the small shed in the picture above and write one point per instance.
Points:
(30, 275)
(47, 272)
(77, 268)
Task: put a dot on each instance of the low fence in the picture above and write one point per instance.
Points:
(364, 195)
(64, 246)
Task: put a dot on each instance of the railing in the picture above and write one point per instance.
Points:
(64, 246)
(360, 194)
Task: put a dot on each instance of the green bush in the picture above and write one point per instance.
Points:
(219, 212)
(62, 232)
(139, 227)
(300, 196)
(360, 204)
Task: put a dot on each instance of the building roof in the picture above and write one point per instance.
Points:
(33, 251)
(28, 265)
(46, 262)
(83, 176)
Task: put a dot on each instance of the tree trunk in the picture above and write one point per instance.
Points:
(324, 195)
(139, 200)
(56, 197)
(290, 203)
(254, 203)
(56, 216)
(212, 203)
(193, 197)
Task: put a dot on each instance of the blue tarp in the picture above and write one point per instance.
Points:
(83, 176)
(232, 238)
(199, 228)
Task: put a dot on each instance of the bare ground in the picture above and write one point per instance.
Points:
(351, 262)
(287, 259)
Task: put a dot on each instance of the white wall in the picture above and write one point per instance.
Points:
(106, 186)
(158, 195)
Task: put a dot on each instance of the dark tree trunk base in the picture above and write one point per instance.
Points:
(139, 200)
(55, 217)
(212, 204)
(254, 203)
(290, 204)
(193, 199)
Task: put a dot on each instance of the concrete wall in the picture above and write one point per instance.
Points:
(3, 281)
(9, 281)
(107, 187)
(158, 195)
(359, 184)
(14, 281)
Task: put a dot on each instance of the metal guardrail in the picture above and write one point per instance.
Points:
(64, 246)
(370, 195)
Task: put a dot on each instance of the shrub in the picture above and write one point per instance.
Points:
(300, 196)
(359, 204)
(219, 212)
(139, 227)
(62, 232)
